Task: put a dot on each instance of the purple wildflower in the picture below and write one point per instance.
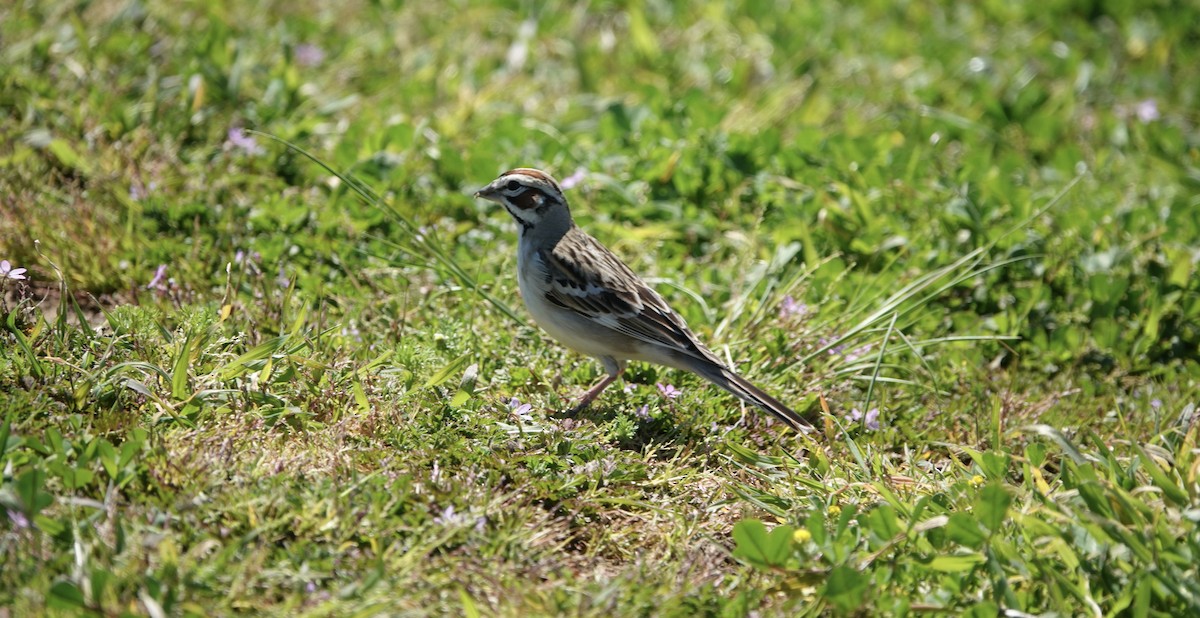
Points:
(244, 257)
(8, 272)
(858, 352)
(1156, 403)
(137, 192)
(669, 391)
(522, 410)
(18, 519)
(835, 350)
(237, 138)
(790, 308)
(160, 275)
(448, 517)
(643, 413)
(351, 331)
(308, 55)
(422, 232)
(573, 180)
(282, 280)
(871, 421)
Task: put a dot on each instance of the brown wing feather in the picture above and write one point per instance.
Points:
(585, 276)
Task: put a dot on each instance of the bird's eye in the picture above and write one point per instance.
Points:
(512, 185)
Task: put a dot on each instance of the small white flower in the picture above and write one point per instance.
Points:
(8, 272)
(1147, 111)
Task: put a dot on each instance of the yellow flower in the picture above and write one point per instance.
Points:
(835, 510)
(801, 535)
(976, 480)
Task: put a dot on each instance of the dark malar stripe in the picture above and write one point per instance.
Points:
(525, 225)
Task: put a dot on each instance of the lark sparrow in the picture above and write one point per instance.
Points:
(587, 298)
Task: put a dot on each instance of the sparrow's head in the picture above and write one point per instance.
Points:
(531, 196)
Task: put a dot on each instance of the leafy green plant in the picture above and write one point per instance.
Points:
(1000, 543)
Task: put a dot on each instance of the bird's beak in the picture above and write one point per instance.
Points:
(485, 193)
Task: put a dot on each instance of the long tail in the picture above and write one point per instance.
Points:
(742, 388)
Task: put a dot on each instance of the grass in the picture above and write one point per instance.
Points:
(962, 236)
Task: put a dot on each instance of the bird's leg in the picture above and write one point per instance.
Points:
(615, 369)
(594, 392)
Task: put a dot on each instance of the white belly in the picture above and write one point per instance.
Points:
(570, 329)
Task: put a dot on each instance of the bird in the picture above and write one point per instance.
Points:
(585, 297)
